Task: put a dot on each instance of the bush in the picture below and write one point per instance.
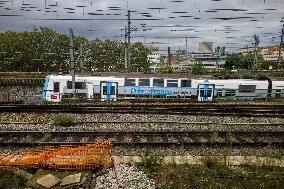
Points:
(197, 68)
(151, 160)
(64, 120)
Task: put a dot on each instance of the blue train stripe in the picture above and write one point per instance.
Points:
(45, 86)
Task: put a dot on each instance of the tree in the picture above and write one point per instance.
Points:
(260, 62)
(281, 65)
(45, 50)
(197, 68)
(165, 69)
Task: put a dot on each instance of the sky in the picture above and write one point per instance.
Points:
(161, 23)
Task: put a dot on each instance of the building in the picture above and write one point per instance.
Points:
(270, 53)
(245, 50)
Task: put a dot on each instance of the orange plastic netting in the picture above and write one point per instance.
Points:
(79, 157)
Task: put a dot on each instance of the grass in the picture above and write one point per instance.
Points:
(213, 173)
(64, 120)
(10, 180)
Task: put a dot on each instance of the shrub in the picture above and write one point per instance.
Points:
(151, 160)
(64, 120)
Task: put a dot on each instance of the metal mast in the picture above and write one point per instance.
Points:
(256, 43)
(186, 55)
(281, 46)
(128, 42)
(125, 49)
(81, 59)
(72, 60)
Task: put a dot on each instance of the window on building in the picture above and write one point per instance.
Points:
(172, 83)
(129, 82)
(158, 82)
(247, 88)
(185, 83)
(144, 82)
(56, 87)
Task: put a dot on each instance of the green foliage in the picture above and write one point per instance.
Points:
(10, 180)
(215, 175)
(244, 61)
(260, 62)
(151, 160)
(211, 162)
(165, 69)
(281, 65)
(64, 120)
(47, 51)
(197, 68)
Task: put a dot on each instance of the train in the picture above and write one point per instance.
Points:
(111, 88)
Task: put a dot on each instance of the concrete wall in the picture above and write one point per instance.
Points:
(27, 94)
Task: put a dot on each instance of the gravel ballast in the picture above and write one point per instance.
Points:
(124, 176)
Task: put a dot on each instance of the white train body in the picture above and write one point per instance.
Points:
(110, 88)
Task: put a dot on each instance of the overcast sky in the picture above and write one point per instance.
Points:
(155, 20)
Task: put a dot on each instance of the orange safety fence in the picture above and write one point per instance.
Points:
(66, 157)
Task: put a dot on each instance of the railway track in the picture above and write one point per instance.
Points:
(172, 108)
(239, 138)
(150, 122)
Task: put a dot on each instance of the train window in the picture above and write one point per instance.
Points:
(104, 90)
(172, 83)
(129, 82)
(69, 84)
(56, 87)
(144, 82)
(80, 85)
(209, 92)
(185, 83)
(158, 82)
(219, 93)
(230, 93)
(247, 88)
(112, 90)
(278, 93)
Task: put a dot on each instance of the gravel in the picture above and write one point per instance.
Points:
(48, 118)
(138, 126)
(124, 176)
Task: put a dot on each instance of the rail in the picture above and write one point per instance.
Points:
(183, 108)
(239, 138)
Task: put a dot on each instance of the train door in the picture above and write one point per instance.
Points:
(108, 90)
(205, 92)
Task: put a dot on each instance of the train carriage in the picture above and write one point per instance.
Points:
(57, 87)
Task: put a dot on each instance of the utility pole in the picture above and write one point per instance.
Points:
(281, 46)
(128, 42)
(81, 59)
(125, 49)
(186, 55)
(217, 60)
(256, 42)
(72, 60)
(169, 56)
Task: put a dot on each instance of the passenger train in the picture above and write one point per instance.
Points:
(57, 87)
